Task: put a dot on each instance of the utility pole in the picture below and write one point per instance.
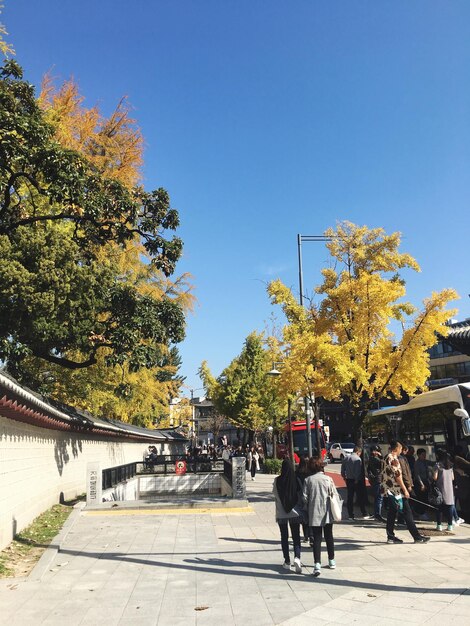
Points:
(311, 400)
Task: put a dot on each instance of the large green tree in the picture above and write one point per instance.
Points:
(244, 392)
(63, 295)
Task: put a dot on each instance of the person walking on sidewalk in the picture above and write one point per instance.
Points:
(407, 478)
(253, 461)
(317, 491)
(301, 473)
(287, 494)
(421, 479)
(398, 495)
(374, 472)
(352, 472)
(444, 477)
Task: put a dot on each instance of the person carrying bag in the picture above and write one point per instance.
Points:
(319, 492)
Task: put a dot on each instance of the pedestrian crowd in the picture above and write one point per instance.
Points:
(404, 488)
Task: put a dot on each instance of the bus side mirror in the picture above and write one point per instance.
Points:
(462, 413)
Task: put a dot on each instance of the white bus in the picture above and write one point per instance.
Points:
(434, 419)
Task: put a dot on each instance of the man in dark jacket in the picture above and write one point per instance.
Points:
(407, 478)
(352, 472)
(374, 471)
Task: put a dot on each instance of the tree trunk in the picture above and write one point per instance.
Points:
(358, 419)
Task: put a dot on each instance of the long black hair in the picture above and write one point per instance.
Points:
(287, 486)
(444, 458)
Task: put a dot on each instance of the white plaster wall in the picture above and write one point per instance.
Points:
(127, 490)
(188, 483)
(37, 465)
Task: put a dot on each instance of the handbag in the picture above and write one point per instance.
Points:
(336, 505)
(435, 497)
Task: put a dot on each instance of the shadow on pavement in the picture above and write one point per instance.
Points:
(219, 566)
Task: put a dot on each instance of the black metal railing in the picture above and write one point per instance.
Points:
(168, 465)
(115, 475)
(163, 465)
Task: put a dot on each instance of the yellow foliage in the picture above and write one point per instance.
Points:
(345, 347)
(114, 145)
(110, 392)
(5, 47)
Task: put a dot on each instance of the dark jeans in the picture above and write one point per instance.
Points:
(317, 531)
(378, 498)
(355, 487)
(407, 515)
(295, 532)
(253, 470)
(422, 496)
(448, 510)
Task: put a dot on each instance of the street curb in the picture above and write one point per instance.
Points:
(53, 548)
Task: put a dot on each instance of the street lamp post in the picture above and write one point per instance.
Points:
(300, 239)
(276, 372)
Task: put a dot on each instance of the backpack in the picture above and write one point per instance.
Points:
(435, 497)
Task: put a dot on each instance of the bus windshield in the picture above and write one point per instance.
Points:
(300, 442)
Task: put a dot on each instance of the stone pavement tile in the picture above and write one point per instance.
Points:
(446, 594)
(463, 600)
(280, 611)
(145, 620)
(379, 609)
(440, 619)
(258, 619)
(188, 619)
(372, 620)
(110, 598)
(321, 614)
(101, 615)
(30, 616)
(419, 603)
(150, 589)
(14, 597)
(284, 594)
(137, 610)
(203, 619)
(453, 613)
(358, 595)
(249, 606)
(171, 608)
(72, 620)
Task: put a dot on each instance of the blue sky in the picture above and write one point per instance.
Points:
(264, 119)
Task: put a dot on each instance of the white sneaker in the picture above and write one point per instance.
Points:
(439, 527)
(460, 521)
(332, 564)
(450, 528)
(287, 566)
(367, 517)
(297, 566)
(317, 569)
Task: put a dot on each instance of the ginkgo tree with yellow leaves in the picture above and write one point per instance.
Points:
(87, 299)
(344, 347)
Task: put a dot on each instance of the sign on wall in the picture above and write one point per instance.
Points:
(93, 484)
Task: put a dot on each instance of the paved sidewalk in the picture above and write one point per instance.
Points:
(223, 567)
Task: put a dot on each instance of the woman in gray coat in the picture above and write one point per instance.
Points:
(316, 495)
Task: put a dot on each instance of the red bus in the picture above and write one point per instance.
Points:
(299, 436)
